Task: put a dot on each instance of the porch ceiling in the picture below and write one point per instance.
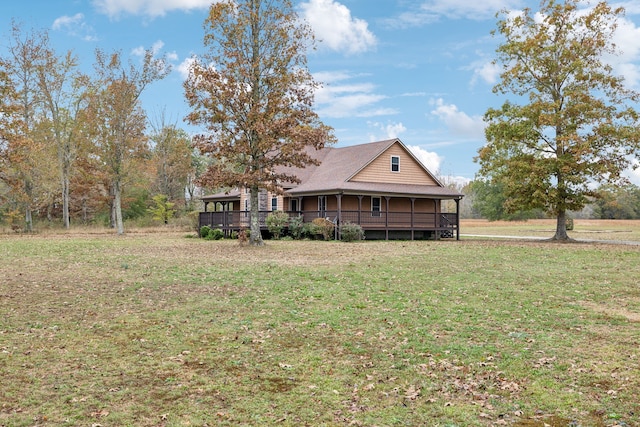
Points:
(231, 196)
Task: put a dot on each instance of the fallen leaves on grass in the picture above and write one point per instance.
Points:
(412, 392)
(100, 413)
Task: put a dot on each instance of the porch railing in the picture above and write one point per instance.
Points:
(368, 220)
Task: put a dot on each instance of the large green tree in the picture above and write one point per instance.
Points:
(253, 93)
(571, 121)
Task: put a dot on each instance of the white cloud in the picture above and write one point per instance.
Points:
(459, 123)
(394, 129)
(429, 159)
(155, 49)
(627, 40)
(173, 56)
(631, 7)
(138, 51)
(433, 10)
(339, 98)
(486, 71)
(334, 26)
(465, 9)
(390, 130)
(152, 8)
(184, 68)
(356, 105)
(67, 21)
(414, 94)
(634, 174)
(74, 26)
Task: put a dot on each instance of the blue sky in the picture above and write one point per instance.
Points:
(419, 70)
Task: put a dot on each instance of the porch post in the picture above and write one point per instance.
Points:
(339, 216)
(225, 220)
(386, 218)
(360, 210)
(437, 218)
(457, 219)
(205, 206)
(413, 202)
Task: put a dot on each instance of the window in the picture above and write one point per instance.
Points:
(293, 205)
(395, 164)
(246, 204)
(274, 203)
(322, 206)
(375, 206)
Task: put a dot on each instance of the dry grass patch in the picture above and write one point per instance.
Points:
(616, 309)
(584, 229)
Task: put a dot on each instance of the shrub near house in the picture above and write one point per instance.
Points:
(276, 223)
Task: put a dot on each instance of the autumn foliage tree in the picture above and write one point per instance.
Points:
(62, 90)
(571, 123)
(49, 90)
(117, 118)
(253, 93)
(70, 142)
(25, 54)
(172, 157)
(9, 122)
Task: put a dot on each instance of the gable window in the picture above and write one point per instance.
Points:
(322, 206)
(375, 206)
(274, 203)
(395, 164)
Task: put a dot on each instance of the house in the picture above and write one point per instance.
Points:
(381, 186)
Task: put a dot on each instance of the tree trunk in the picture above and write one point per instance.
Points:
(117, 205)
(65, 200)
(28, 220)
(254, 209)
(85, 211)
(561, 227)
(112, 207)
(28, 217)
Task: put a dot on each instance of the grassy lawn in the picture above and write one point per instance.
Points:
(161, 330)
(584, 229)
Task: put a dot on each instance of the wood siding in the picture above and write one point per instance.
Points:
(350, 203)
(379, 170)
(264, 199)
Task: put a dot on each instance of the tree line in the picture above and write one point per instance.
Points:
(488, 200)
(78, 147)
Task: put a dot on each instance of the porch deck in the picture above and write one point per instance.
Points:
(374, 223)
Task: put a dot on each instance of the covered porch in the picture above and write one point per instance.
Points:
(381, 217)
